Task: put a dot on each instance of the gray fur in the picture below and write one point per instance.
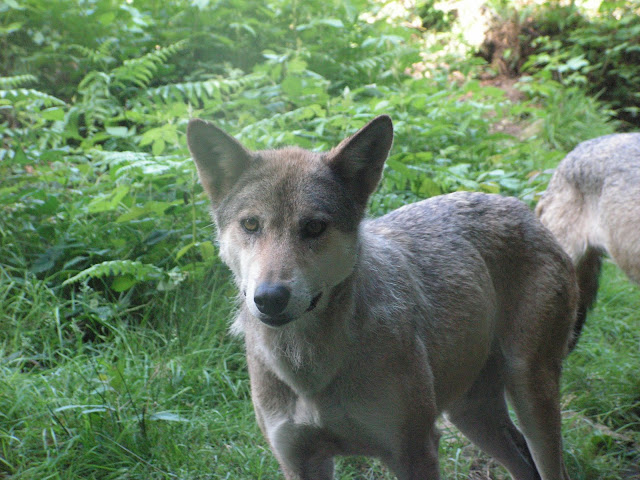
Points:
(449, 305)
(592, 206)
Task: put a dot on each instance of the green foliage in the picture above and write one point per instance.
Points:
(434, 18)
(600, 53)
(114, 358)
(126, 272)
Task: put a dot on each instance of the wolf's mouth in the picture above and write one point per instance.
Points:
(283, 319)
(314, 302)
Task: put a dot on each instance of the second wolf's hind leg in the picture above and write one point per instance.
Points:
(626, 253)
(482, 416)
(587, 271)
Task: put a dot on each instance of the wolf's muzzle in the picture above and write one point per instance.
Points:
(271, 298)
(271, 301)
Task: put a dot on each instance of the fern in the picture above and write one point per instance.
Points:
(101, 56)
(113, 159)
(12, 94)
(97, 104)
(213, 88)
(141, 272)
(125, 164)
(140, 71)
(33, 97)
(155, 166)
(17, 81)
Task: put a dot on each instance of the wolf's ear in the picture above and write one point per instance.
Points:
(359, 159)
(220, 158)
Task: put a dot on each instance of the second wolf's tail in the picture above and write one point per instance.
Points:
(588, 272)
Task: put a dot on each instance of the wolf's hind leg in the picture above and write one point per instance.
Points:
(534, 393)
(482, 416)
(419, 458)
(588, 272)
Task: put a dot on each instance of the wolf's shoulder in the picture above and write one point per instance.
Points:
(608, 143)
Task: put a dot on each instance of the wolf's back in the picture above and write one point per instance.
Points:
(601, 159)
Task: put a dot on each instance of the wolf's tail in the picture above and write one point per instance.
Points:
(588, 272)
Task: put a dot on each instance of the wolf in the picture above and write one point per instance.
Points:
(592, 206)
(360, 332)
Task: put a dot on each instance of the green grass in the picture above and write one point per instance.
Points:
(168, 397)
(602, 385)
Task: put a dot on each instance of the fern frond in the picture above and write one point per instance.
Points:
(113, 159)
(382, 60)
(34, 96)
(17, 81)
(96, 103)
(95, 83)
(155, 166)
(140, 70)
(125, 164)
(101, 56)
(214, 88)
(142, 272)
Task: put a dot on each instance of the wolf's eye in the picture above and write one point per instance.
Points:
(251, 224)
(313, 228)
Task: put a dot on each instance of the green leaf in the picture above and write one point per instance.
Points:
(149, 208)
(107, 18)
(576, 63)
(19, 157)
(184, 250)
(168, 417)
(47, 260)
(117, 131)
(142, 272)
(54, 113)
(401, 168)
(329, 22)
(429, 188)
(12, 27)
(292, 86)
(207, 250)
(123, 282)
(108, 201)
(158, 146)
(296, 65)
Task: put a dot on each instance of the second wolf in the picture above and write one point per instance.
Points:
(360, 333)
(592, 206)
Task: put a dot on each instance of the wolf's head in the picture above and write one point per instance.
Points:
(288, 219)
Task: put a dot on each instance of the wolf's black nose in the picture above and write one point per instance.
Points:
(271, 298)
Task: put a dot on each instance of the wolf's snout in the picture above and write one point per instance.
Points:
(271, 299)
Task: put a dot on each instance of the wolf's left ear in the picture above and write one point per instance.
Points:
(359, 159)
(220, 158)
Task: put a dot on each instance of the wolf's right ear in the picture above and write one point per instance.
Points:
(359, 159)
(219, 157)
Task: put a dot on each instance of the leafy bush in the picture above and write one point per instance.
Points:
(599, 53)
(98, 192)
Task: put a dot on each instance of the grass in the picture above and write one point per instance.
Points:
(168, 397)
(602, 386)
